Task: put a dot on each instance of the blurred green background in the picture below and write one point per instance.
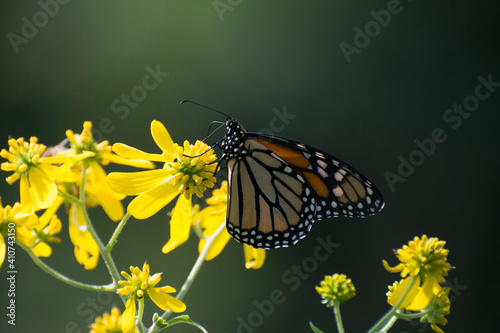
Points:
(247, 59)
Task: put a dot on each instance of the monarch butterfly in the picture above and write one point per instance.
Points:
(278, 187)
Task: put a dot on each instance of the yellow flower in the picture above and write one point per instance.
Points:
(84, 142)
(425, 259)
(85, 153)
(12, 219)
(49, 225)
(108, 323)
(97, 189)
(211, 218)
(140, 284)
(186, 170)
(335, 288)
(37, 188)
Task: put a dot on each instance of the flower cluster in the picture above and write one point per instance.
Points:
(108, 323)
(142, 285)
(73, 172)
(335, 288)
(423, 266)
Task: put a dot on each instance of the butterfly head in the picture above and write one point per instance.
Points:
(233, 140)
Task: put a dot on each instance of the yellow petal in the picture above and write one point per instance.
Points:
(395, 269)
(165, 301)
(50, 212)
(210, 221)
(254, 258)
(161, 136)
(167, 289)
(180, 224)
(2, 250)
(90, 252)
(55, 225)
(62, 174)
(63, 158)
(400, 290)
(128, 317)
(25, 236)
(134, 183)
(28, 220)
(126, 151)
(425, 294)
(109, 201)
(137, 163)
(149, 203)
(42, 249)
(26, 197)
(217, 246)
(44, 188)
(86, 250)
(112, 206)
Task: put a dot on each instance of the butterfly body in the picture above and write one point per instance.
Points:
(278, 188)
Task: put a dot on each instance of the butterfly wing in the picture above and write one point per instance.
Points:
(279, 187)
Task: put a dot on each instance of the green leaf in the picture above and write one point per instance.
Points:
(186, 320)
(314, 328)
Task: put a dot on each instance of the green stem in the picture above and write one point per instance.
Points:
(192, 275)
(199, 262)
(338, 317)
(189, 322)
(139, 315)
(389, 324)
(110, 287)
(382, 321)
(412, 315)
(106, 256)
(68, 197)
(113, 240)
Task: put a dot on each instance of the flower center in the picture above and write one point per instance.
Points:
(85, 142)
(192, 168)
(22, 155)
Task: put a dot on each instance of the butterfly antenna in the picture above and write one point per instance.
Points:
(209, 134)
(204, 106)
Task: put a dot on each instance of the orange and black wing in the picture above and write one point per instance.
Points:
(279, 187)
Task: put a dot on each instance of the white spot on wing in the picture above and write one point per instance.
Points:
(322, 173)
(338, 191)
(338, 176)
(322, 164)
